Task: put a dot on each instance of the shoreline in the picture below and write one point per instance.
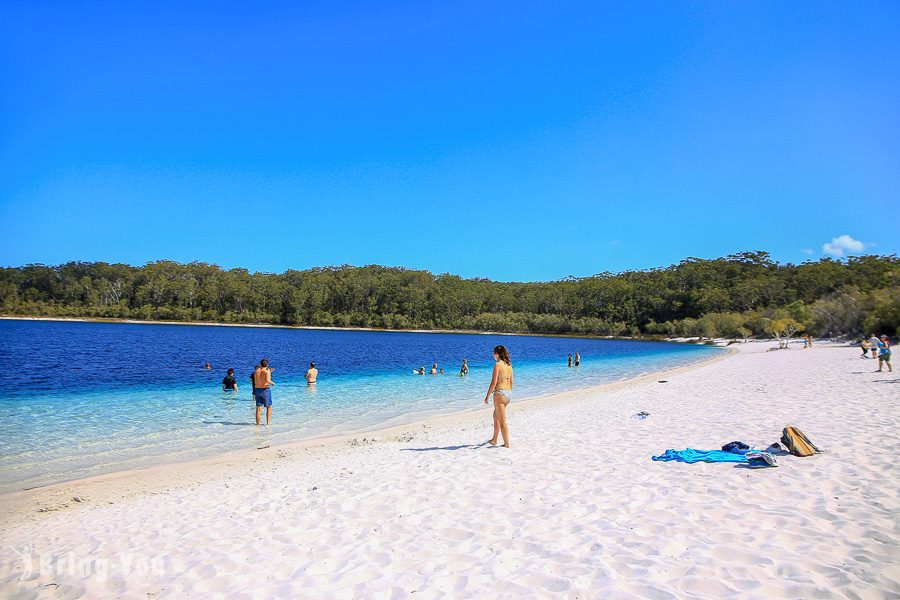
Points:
(25, 496)
(694, 341)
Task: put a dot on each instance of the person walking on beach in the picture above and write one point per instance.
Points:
(865, 344)
(312, 374)
(501, 389)
(570, 360)
(884, 354)
(577, 359)
(464, 369)
(873, 345)
(229, 384)
(262, 383)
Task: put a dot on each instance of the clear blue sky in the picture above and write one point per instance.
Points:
(510, 140)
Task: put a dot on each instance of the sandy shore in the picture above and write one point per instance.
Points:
(575, 509)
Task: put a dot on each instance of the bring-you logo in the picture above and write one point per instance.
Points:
(36, 565)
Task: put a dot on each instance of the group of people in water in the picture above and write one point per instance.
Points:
(435, 370)
(499, 390)
(576, 362)
(880, 347)
(261, 383)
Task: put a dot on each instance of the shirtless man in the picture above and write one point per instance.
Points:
(312, 374)
(262, 383)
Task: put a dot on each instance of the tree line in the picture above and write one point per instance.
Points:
(742, 295)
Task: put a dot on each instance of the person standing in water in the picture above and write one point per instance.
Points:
(434, 369)
(312, 374)
(262, 383)
(253, 381)
(570, 360)
(501, 389)
(229, 384)
(577, 359)
(464, 369)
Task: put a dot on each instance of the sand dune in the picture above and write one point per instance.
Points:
(576, 509)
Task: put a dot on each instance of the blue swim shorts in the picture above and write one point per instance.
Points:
(263, 396)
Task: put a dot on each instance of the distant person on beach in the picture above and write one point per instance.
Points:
(501, 389)
(312, 374)
(262, 384)
(570, 360)
(577, 359)
(464, 369)
(865, 344)
(229, 384)
(434, 369)
(884, 354)
(873, 345)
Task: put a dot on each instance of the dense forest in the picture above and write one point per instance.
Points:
(742, 295)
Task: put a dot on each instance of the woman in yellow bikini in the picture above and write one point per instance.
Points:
(501, 389)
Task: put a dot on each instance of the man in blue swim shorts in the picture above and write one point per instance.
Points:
(262, 392)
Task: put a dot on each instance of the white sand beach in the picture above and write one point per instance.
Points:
(575, 509)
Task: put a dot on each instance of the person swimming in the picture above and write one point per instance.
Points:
(207, 366)
(434, 369)
(501, 389)
(229, 384)
(312, 374)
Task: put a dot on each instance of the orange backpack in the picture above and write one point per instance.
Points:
(797, 443)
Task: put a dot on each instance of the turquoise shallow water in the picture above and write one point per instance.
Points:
(89, 398)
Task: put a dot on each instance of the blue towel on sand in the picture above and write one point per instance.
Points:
(689, 455)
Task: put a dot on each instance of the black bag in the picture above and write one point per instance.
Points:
(732, 446)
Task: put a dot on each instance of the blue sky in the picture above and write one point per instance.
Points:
(510, 140)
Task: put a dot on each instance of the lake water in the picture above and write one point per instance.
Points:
(82, 399)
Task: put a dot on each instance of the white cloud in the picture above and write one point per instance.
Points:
(842, 245)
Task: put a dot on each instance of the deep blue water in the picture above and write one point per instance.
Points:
(87, 398)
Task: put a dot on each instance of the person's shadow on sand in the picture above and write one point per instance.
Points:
(433, 448)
